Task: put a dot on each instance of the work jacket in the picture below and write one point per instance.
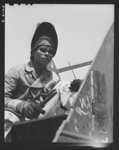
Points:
(22, 84)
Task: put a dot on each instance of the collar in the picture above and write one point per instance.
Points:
(29, 67)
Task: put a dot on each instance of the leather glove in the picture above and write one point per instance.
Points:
(29, 109)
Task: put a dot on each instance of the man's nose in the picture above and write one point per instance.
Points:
(46, 53)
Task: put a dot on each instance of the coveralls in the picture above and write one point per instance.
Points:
(23, 84)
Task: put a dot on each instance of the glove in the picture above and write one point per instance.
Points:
(29, 109)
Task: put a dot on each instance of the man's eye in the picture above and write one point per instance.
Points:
(50, 52)
(42, 49)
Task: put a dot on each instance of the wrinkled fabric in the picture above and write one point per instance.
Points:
(66, 96)
(22, 84)
(51, 107)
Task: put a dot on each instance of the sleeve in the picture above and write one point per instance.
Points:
(63, 88)
(11, 84)
(65, 94)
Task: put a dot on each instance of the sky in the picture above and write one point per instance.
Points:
(81, 29)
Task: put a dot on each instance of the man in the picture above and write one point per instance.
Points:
(24, 84)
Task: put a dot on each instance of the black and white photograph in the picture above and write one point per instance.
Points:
(59, 74)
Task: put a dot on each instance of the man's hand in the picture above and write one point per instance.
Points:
(29, 109)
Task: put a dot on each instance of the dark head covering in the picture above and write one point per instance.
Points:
(45, 29)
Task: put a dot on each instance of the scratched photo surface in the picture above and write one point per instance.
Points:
(85, 51)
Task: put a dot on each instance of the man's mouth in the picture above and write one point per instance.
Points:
(45, 58)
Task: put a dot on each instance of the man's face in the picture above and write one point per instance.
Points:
(44, 52)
